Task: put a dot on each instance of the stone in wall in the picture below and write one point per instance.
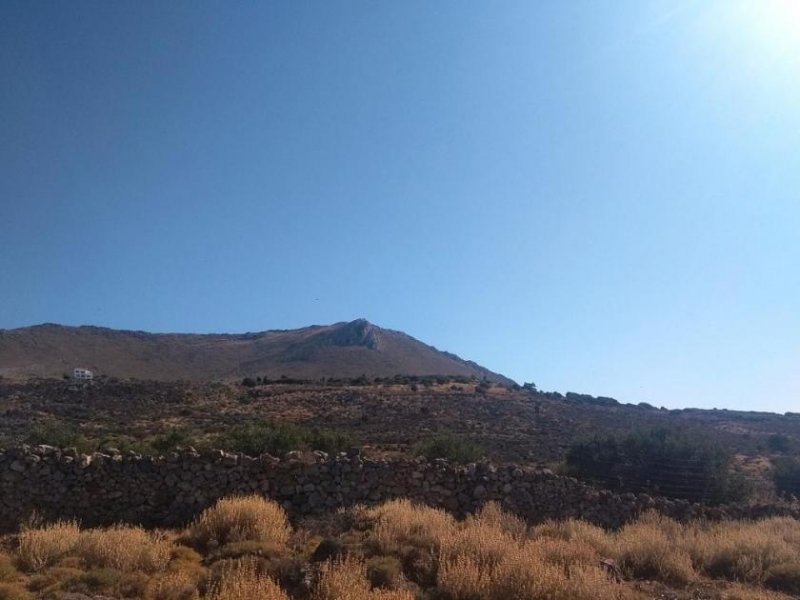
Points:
(170, 490)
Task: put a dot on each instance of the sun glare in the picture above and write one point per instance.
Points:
(775, 25)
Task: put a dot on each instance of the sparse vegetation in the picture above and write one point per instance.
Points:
(450, 447)
(261, 437)
(400, 550)
(662, 461)
(240, 519)
(786, 475)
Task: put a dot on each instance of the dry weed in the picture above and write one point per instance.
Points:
(43, 546)
(578, 532)
(653, 548)
(174, 585)
(400, 523)
(761, 552)
(124, 548)
(240, 519)
(346, 579)
(242, 581)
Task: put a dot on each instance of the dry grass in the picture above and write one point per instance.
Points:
(491, 555)
(761, 552)
(346, 579)
(742, 592)
(12, 591)
(400, 523)
(8, 572)
(124, 548)
(654, 548)
(240, 519)
(242, 581)
(43, 546)
(175, 585)
(576, 533)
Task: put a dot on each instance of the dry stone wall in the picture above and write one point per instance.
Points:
(101, 489)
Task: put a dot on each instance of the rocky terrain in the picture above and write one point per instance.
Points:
(340, 350)
(387, 417)
(158, 454)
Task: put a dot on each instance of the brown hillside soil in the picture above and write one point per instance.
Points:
(509, 425)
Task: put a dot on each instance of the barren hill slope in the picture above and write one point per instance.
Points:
(340, 350)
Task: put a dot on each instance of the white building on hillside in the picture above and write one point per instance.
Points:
(79, 373)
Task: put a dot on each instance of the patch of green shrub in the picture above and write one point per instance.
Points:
(174, 438)
(778, 443)
(261, 437)
(662, 461)
(786, 475)
(450, 447)
(57, 433)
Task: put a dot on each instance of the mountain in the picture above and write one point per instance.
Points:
(340, 350)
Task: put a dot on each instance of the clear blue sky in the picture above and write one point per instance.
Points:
(601, 197)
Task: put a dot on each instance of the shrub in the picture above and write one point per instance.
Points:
(778, 443)
(400, 523)
(786, 475)
(384, 571)
(760, 552)
(278, 438)
(175, 585)
(651, 548)
(240, 519)
(242, 580)
(450, 447)
(124, 548)
(7, 570)
(578, 533)
(661, 461)
(346, 579)
(102, 579)
(489, 557)
(53, 579)
(12, 591)
(43, 546)
(57, 433)
(174, 438)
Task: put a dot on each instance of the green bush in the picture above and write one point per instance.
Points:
(278, 438)
(778, 443)
(57, 433)
(786, 475)
(174, 438)
(451, 447)
(666, 462)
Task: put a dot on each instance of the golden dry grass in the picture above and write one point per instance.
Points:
(763, 552)
(654, 547)
(346, 579)
(491, 555)
(242, 581)
(175, 585)
(240, 519)
(399, 523)
(124, 548)
(43, 546)
(8, 572)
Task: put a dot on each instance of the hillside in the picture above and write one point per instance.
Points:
(340, 350)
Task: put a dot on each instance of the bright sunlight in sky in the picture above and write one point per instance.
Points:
(598, 197)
